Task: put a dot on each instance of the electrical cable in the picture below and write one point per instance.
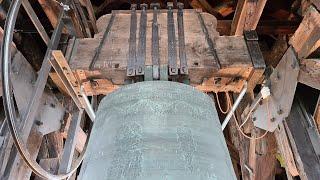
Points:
(218, 102)
(9, 104)
(239, 128)
(249, 114)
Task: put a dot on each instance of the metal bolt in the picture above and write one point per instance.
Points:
(273, 119)
(280, 111)
(294, 64)
(254, 119)
(38, 123)
(278, 76)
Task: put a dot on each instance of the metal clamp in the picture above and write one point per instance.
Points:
(251, 38)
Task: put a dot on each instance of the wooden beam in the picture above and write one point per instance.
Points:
(51, 9)
(70, 144)
(316, 114)
(306, 39)
(247, 16)
(221, 85)
(268, 27)
(81, 135)
(310, 72)
(50, 165)
(92, 16)
(207, 7)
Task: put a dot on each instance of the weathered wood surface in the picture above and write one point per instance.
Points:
(50, 165)
(247, 16)
(306, 39)
(286, 151)
(232, 51)
(310, 72)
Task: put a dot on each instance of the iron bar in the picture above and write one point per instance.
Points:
(210, 42)
(98, 49)
(155, 42)
(172, 52)
(35, 20)
(182, 48)
(141, 56)
(132, 42)
(235, 106)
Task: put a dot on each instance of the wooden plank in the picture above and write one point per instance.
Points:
(54, 144)
(70, 82)
(94, 86)
(69, 148)
(310, 72)
(298, 127)
(247, 16)
(286, 151)
(267, 27)
(221, 85)
(81, 135)
(306, 39)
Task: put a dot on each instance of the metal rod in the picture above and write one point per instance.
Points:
(35, 20)
(210, 42)
(132, 42)
(102, 42)
(34, 101)
(155, 42)
(235, 105)
(182, 48)
(141, 54)
(172, 51)
(88, 106)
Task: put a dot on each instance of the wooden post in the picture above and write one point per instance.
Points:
(247, 16)
(51, 9)
(306, 39)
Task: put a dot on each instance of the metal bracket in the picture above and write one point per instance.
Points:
(282, 84)
(251, 38)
